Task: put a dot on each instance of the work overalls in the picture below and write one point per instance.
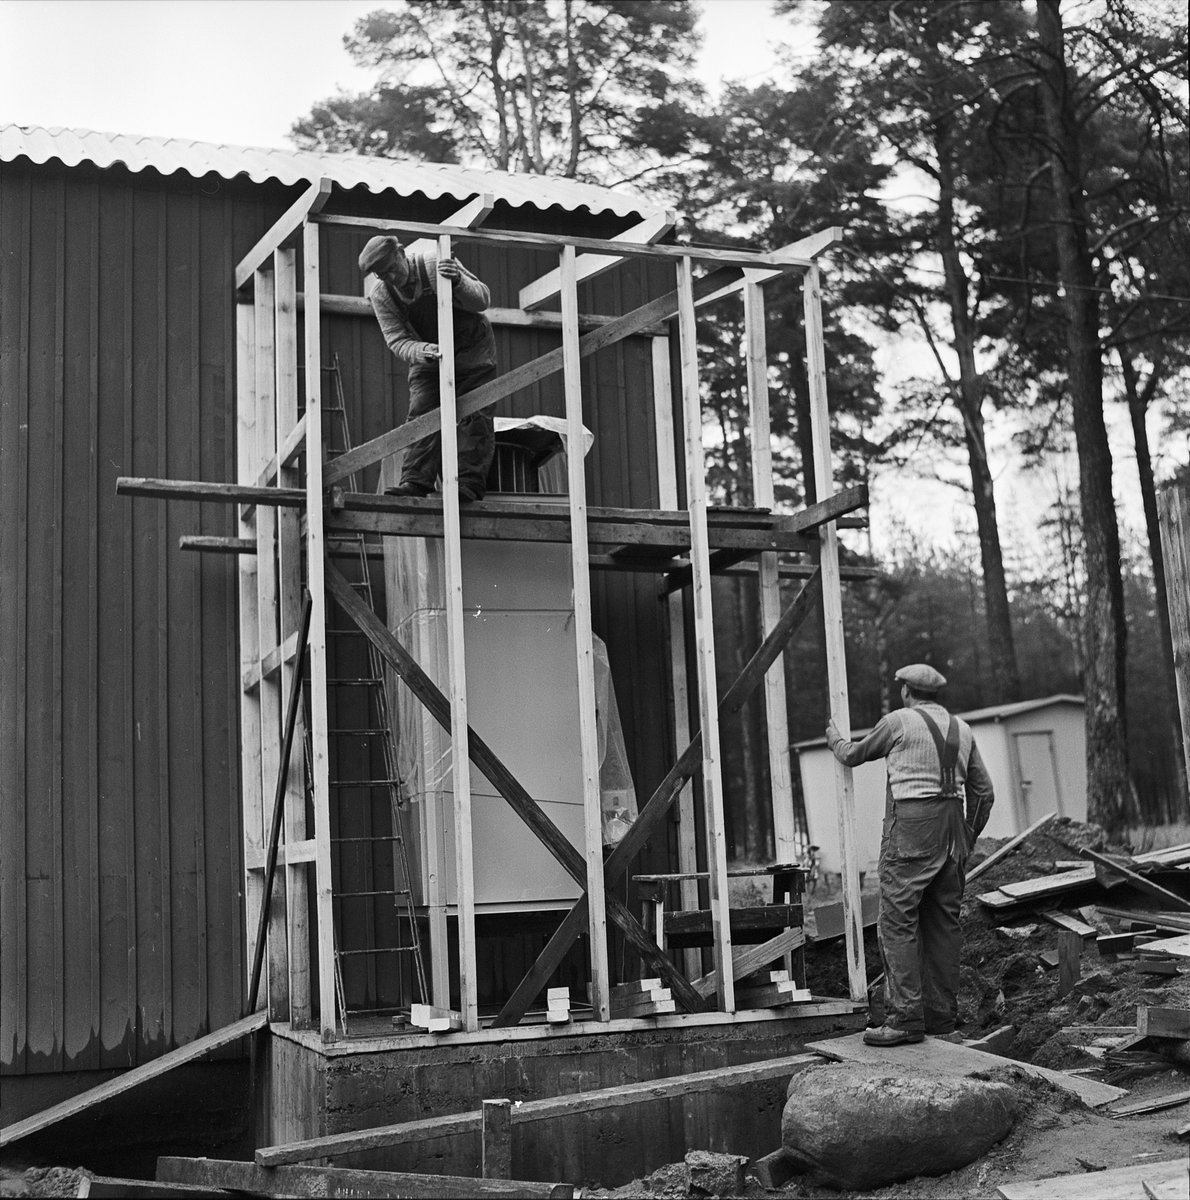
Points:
(475, 363)
(922, 856)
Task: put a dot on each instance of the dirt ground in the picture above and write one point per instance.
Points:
(1005, 983)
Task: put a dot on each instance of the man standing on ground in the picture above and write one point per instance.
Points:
(404, 296)
(934, 770)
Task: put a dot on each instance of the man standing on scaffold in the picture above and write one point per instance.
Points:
(404, 296)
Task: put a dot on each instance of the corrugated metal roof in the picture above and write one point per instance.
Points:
(167, 155)
(997, 712)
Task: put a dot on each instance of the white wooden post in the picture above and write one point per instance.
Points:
(289, 552)
(581, 578)
(248, 465)
(667, 496)
(836, 658)
(316, 576)
(269, 687)
(704, 638)
(775, 711)
(456, 651)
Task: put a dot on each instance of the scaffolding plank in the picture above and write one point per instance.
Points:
(832, 605)
(580, 575)
(319, 724)
(135, 1077)
(704, 639)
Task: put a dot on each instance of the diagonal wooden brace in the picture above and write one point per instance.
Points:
(520, 377)
(659, 803)
(554, 840)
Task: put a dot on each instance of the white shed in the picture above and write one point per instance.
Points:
(1035, 752)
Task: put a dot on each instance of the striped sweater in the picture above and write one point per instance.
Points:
(914, 771)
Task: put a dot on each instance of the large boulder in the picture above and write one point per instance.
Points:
(858, 1127)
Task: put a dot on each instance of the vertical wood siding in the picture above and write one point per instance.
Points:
(120, 908)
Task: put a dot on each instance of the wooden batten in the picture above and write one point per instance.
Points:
(456, 653)
(289, 597)
(704, 637)
(268, 687)
(581, 581)
(1173, 505)
(252, 804)
(668, 448)
(316, 581)
(836, 659)
(775, 710)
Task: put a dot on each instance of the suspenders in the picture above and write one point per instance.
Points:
(948, 751)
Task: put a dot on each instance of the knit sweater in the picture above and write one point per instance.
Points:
(914, 772)
(469, 294)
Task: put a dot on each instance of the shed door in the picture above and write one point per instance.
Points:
(1036, 775)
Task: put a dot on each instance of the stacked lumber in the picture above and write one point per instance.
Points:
(1100, 868)
(557, 1001)
(641, 998)
(770, 989)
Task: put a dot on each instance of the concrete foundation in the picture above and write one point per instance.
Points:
(305, 1090)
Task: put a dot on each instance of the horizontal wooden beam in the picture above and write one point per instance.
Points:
(508, 237)
(252, 1179)
(807, 247)
(511, 318)
(512, 381)
(482, 527)
(290, 221)
(216, 545)
(574, 1104)
(130, 1079)
(589, 266)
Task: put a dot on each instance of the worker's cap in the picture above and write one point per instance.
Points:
(378, 253)
(921, 676)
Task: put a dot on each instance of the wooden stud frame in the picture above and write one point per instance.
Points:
(581, 580)
(775, 711)
(832, 607)
(272, 437)
(704, 639)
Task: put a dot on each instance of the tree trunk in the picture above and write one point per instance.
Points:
(1104, 631)
(1138, 403)
(1006, 680)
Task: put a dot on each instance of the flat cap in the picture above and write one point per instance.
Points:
(377, 252)
(921, 676)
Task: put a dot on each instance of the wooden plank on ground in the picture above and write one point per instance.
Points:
(1069, 923)
(1177, 947)
(1119, 1183)
(342, 1181)
(946, 1059)
(1008, 847)
(135, 1077)
(1130, 1108)
(1163, 1022)
(143, 1189)
(575, 1104)
(1114, 866)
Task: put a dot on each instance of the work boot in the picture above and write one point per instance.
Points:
(890, 1035)
(469, 493)
(408, 489)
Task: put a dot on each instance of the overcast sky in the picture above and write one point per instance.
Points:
(238, 71)
(242, 71)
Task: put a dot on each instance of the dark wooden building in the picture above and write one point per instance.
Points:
(121, 908)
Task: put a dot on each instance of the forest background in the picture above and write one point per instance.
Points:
(1013, 182)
